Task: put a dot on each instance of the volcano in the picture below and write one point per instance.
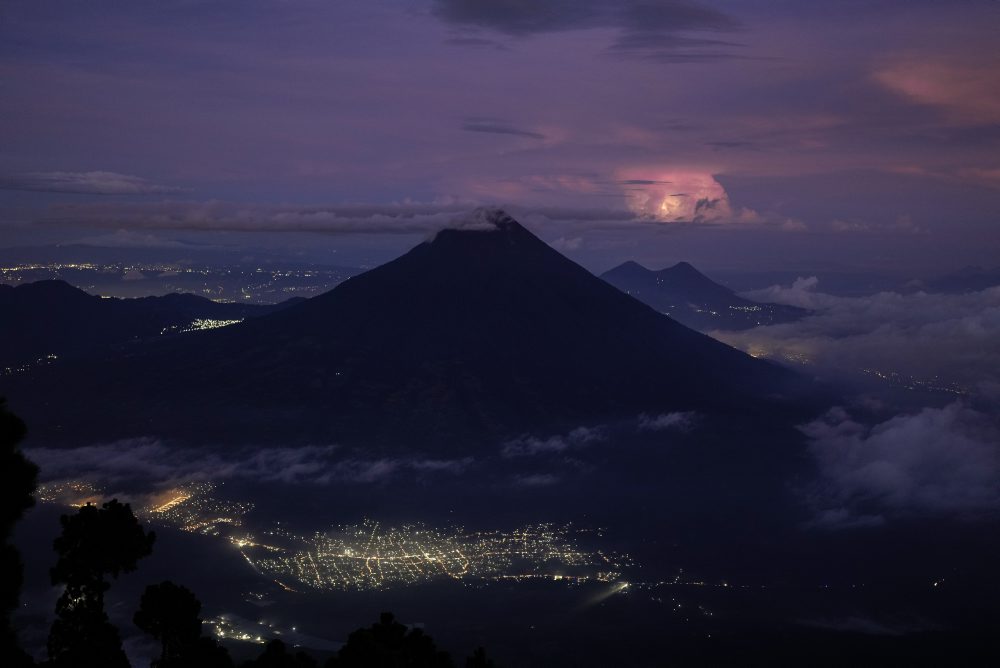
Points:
(692, 298)
(482, 330)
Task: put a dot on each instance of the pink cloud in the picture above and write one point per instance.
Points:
(680, 195)
(968, 92)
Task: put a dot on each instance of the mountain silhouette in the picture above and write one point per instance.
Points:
(54, 318)
(481, 330)
(967, 279)
(691, 298)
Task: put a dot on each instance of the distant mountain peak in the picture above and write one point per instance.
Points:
(483, 219)
(492, 216)
(632, 265)
(46, 284)
(483, 229)
(685, 268)
(693, 299)
(633, 268)
(628, 269)
(483, 331)
(52, 289)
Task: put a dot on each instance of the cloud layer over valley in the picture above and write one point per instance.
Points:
(934, 342)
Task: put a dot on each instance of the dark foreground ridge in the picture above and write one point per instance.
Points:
(481, 330)
(54, 318)
(692, 298)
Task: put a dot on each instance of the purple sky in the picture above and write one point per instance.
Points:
(743, 134)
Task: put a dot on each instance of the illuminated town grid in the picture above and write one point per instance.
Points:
(372, 555)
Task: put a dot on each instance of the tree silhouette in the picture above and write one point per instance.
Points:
(95, 543)
(276, 655)
(388, 644)
(17, 483)
(479, 660)
(169, 613)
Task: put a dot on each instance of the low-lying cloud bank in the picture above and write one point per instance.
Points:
(150, 461)
(877, 462)
(218, 216)
(935, 341)
(84, 183)
(938, 461)
(649, 211)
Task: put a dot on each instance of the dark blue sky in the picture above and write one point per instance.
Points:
(740, 134)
